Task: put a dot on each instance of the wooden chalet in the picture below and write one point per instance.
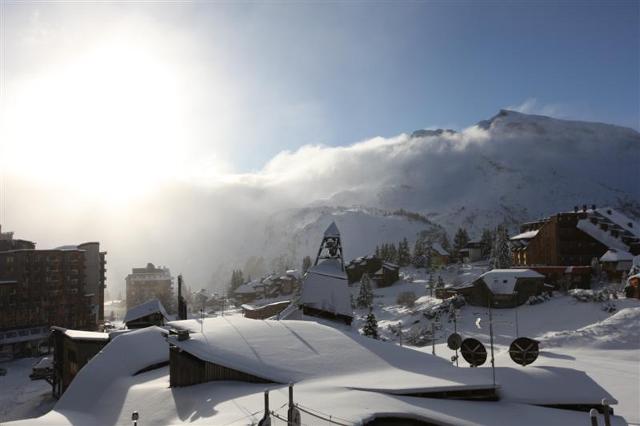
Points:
(471, 252)
(359, 266)
(145, 315)
(72, 349)
(388, 274)
(438, 255)
(503, 288)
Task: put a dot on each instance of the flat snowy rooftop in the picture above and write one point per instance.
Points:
(293, 351)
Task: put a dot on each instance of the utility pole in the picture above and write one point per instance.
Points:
(516, 312)
(433, 338)
(493, 364)
(455, 330)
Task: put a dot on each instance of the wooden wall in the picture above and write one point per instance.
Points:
(186, 370)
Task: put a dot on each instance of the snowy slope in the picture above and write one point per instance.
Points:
(298, 232)
(512, 168)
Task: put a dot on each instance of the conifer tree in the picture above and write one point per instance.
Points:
(440, 283)
(501, 254)
(393, 254)
(444, 242)
(365, 296)
(486, 242)
(404, 253)
(370, 328)
(459, 241)
(431, 284)
(418, 253)
(306, 264)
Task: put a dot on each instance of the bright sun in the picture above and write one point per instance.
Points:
(109, 121)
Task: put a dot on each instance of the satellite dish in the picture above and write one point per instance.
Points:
(473, 352)
(454, 341)
(524, 351)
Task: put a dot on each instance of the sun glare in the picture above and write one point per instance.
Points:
(109, 121)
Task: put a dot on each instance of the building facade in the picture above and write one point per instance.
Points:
(576, 238)
(44, 288)
(150, 282)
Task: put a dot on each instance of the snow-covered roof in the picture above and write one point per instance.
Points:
(334, 372)
(8, 282)
(601, 235)
(326, 287)
(613, 255)
(247, 288)
(332, 231)
(621, 220)
(86, 335)
(294, 273)
(292, 351)
(525, 235)
(439, 249)
(503, 281)
(144, 309)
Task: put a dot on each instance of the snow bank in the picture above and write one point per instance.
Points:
(619, 331)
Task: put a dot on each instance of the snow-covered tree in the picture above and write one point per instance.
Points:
(370, 328)
(501, 254)
(440, 282)
(365, 296)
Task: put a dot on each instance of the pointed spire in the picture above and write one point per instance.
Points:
(332, 231)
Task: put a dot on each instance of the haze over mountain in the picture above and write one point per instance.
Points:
(512, 167)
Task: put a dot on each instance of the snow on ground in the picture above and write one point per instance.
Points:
(572, 334)
(20, 397)
(250, 344)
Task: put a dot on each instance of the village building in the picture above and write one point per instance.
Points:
(72, 349)
(264, 311)
(359, 266)
(382, 273)
(325, 289)
(503, 288)
(632, 288)
(471, 252)
(248, 292)
(150, 282)
(439, 257)
(572, 240)
(43, 288)
(147, 314)
(388, 274)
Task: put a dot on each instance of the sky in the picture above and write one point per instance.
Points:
(103, 104)
(237, 83)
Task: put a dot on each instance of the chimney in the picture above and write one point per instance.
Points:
(584, 207)
(593, 207)
(630, 224)
(575, 209)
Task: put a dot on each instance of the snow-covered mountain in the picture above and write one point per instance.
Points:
(511, 168)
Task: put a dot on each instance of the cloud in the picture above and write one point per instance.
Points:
(533, 106)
